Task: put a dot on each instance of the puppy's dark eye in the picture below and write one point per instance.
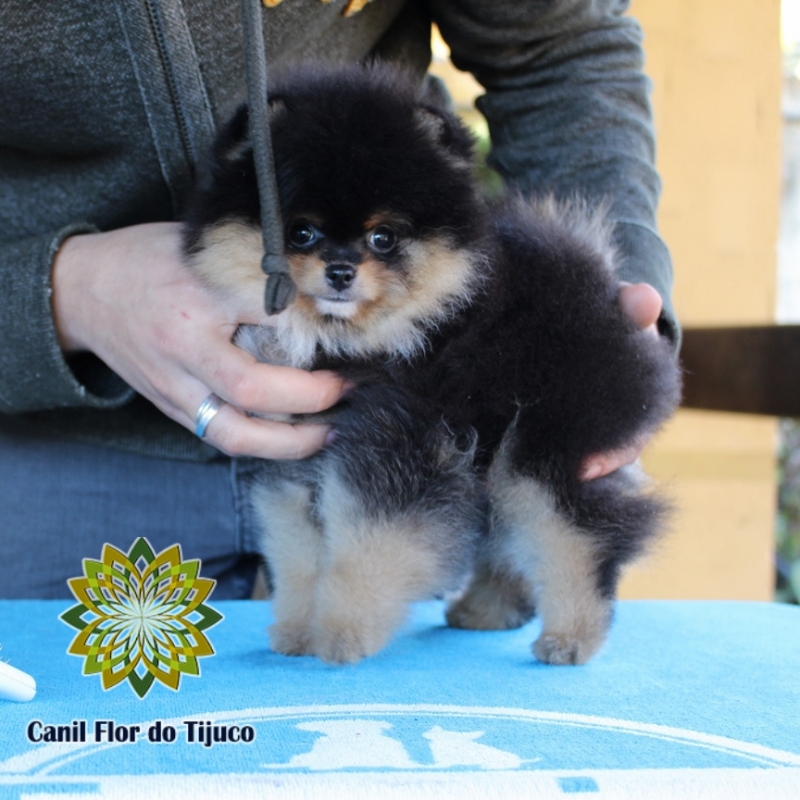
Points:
(382, 239)
(302, 233)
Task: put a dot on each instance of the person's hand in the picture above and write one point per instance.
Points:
(643, 304)
(127, 297)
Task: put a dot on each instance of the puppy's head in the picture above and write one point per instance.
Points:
(381, 214)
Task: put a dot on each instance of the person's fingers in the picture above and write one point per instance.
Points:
(238, 378)
(237, 435)
(642, 303)
(598, 465)
(247, 386)
(229, 429)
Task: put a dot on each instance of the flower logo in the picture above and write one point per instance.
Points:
(141, 617)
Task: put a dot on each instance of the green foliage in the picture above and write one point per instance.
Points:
(491, 181)
(788, 524)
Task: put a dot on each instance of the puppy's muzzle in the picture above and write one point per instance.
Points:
(340, 276)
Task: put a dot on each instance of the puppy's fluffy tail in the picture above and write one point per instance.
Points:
(623, 515)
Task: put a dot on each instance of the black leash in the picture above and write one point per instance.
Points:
(280, 290)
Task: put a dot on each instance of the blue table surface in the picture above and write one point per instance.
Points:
(678, 685)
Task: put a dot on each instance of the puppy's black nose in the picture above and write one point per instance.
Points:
(340, 276)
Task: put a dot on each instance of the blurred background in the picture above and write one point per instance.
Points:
(726, 98)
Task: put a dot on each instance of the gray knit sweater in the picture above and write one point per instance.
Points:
(106, 107)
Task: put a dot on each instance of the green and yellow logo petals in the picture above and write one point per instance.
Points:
(141, 617)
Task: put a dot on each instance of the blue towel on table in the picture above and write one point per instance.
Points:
(687, 699)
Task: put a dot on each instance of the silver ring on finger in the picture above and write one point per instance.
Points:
(207, 411)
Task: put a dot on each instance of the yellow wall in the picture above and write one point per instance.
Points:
(715, 65)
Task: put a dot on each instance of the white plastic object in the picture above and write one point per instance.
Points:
(16, 684)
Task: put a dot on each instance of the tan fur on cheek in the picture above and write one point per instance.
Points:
(391, 310)
(439, 272)
(437, 279)
(308, 274)
(379, 290)
(229, 263)
(433, 274)
(374, 285)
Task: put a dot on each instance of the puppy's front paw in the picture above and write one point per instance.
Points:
(290, 640)
(561, 649)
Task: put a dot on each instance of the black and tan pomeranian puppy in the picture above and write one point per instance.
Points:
(490, 357)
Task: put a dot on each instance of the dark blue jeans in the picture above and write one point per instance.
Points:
(60, 501)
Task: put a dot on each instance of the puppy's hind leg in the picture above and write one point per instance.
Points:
(292, 545)
(561, 562)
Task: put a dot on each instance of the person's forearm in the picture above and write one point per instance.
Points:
(34, 373)
(568, 111)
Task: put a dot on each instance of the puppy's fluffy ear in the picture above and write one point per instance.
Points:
(434, 93)
(445, 130)
(234, 140)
